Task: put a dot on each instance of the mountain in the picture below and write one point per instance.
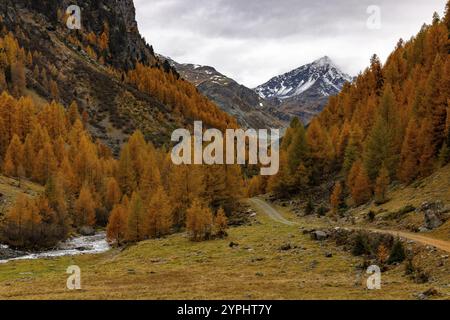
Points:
(95, 68)
(304, 92)
(244, 104)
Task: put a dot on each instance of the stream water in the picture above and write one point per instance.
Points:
(75, 246)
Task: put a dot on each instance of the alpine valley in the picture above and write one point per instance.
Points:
(302, 93)
(88, 185)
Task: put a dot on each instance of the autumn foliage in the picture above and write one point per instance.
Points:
(391, 123)
(138, 196)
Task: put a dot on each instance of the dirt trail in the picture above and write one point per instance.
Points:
(270, 211)
(276, 216)
(440, 244)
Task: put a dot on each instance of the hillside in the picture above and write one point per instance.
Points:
(244, 104)
(257, 268)
(305, 91)
(403, 208)
(90, 66)
(391, 125)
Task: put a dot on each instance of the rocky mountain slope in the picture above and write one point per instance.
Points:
(251, 110)
(304, 92)
(90, 67)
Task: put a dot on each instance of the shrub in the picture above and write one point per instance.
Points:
(410, 269)
(309, 209)
(417, 274)
(361, 245)
(371, 216)
(322, 211)
(397, 254)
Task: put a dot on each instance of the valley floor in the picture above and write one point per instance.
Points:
(174, 268)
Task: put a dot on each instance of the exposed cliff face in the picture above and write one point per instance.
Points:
(126, 44)
(244, 104)
(114, 108)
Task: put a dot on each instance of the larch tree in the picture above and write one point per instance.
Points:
(382, 185)
(116, 230)
(199, 221)
(320, 148)
(21, 224)
(426, 147)
(409, 158)
(383, 140)
(18, 78)
(137, 219)
(85, 208)
(113, 193)
(359, 184)
(221, 224)
(73, 114)
(336, 199)
(353, 150)
(13, 158)
(45, 164)
(186, 184)
(159, 211)
(126, 175)
(436, 102)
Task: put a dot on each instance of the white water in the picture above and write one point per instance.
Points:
(80, 245)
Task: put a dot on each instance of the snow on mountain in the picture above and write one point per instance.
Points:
(243, 103)
(322, 77)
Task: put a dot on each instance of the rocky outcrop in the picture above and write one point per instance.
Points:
(435, 214)
(125, 44)
(114, 109)
(305, 91)
(7, 253)
(250, 110)
(319, 235)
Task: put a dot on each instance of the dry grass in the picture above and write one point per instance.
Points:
(433, 188)
(11, 188)
(174, 268)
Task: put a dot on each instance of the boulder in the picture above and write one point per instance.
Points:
(434, 214)
(319, 235)
(87, 231)
(433, 292)
(6, 253)
(432, 220)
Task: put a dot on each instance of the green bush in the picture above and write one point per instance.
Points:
(371, 216)
(309, 209)
(361, 245)
(398, 254)
(322, 211)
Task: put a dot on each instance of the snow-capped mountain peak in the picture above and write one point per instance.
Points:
(321, 77)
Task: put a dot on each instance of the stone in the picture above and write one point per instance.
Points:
(286, 247)
(432, 221)
(319, 235)
(432, 292)
(87, 231)
(434, 214)
(308, 231)
(233, 244)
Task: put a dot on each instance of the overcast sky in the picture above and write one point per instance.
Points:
(254, 40)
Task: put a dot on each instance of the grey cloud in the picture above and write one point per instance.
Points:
(252, 40)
